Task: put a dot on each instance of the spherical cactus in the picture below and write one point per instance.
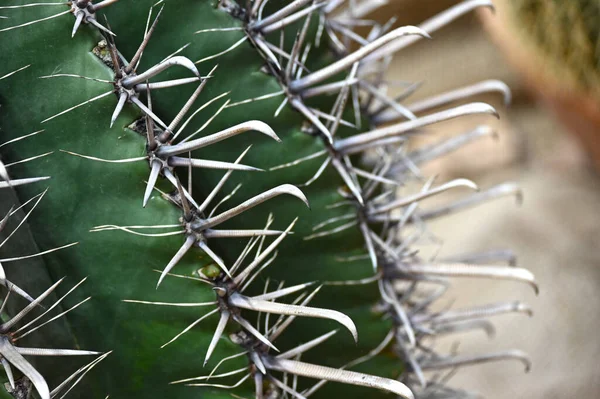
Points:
(167, 154)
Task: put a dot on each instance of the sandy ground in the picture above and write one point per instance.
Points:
(555, 233)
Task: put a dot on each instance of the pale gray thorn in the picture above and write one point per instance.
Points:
(374, 177)
(52, 319)
(487, 86)
(251, 243)
(234, 28)
(475, 313)
(36, 21)
(331, 6)
(470, 270)
(308, 114)
(246, 325)
(259, 98)
(331, 118)
(55, 304)
(299, 160)
(388, 295)
(237, 384)
(142, 87)
(186, 107)
(208, 377)
(244, 274)
(467, 360)
(147, 111)
(366, 233)
(156, 167)
(374, 144)
(202, 163)
(252, 202)
(188, 243)
(263, 267)
(337, 375)
(384, 246)
(373, 352)
(283, 386)
(8, 352)
(217, 335)
(270, 221)
(240, 233)
(258, 126)
(6, 326)
(99, 26)
(282, 23)
(282, 292)
(329, 88)
(102, 4)
(409, 126)
(318, 173)
(258, 386)
(283, 323)
(54, 352)
(78, 20)
(362, 281)
(293, 310)
(306, 346)
(118, 108)
(468, 325)
(431, 25)
(333, 220)
(335, 230)
(397, 108)
(221, 183)
(203, 246)
(203, 106)
(8, 371)
(177, 304)
(280, 14)
(14, 288)
(169, 175)
(8, 165)
(491, 256)
(501, 190)
(349, 34)
(408, 200)
(225, 359)
(135, 60)
(12, 73)
(349, 60)
(410, 90)
(39, 198)
(155, 70)
(258, 362)
(81, 372)
(188, 328)
(445, 147)
(413, 363)
(78, 105)
(356, 191)
(294, 54)
(38, 254)
(230, 48)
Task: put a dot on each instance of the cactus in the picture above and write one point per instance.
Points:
(171, 138)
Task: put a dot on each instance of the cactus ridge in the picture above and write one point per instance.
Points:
(367, 205)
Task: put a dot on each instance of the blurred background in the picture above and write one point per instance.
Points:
(548, 52)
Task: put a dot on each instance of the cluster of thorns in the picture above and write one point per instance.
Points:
(375, 208)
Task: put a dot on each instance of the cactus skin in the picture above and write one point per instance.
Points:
(84, 194)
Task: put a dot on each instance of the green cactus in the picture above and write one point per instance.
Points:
(156, 200)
